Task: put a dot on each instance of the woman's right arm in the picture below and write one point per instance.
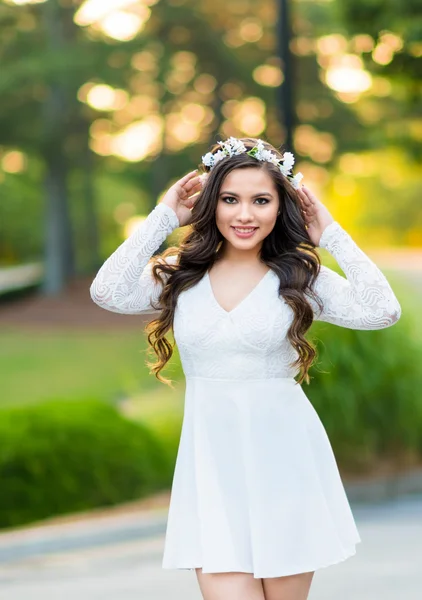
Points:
(124, 283)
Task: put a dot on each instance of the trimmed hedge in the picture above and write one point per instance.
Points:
(367, 389)
(63, 456)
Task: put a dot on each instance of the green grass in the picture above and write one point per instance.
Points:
(110, 366)
(408, 289)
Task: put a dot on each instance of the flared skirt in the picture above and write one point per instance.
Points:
(256, 486)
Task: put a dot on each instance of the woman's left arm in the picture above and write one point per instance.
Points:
(365, 299)
(362, 300)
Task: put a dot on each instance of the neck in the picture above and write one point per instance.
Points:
(228, 253)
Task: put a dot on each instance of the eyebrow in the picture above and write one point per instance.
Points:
(254, 196)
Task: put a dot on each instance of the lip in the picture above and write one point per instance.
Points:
(244, 235)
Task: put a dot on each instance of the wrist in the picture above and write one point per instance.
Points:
(328, 233)
(170, 211)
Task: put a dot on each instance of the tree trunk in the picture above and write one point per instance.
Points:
(59, 252)
(58, 247)
(91, 221)
(286, 90)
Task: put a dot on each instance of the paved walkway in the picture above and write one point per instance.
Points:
(387, 565)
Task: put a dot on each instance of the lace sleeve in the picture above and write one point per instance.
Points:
(365, 299)
(124, 283)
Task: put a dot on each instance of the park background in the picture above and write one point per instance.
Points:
(103, 105)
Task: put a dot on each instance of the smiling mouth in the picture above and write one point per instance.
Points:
(244, 229)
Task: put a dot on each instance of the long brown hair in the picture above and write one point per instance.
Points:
(287, 250)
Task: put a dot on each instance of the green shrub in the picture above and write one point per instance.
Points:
(367, 389)
(63, 456)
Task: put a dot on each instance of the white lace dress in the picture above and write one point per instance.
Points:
(256, 486)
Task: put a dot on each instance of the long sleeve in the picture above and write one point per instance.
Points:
(124, 283)
(362, 300)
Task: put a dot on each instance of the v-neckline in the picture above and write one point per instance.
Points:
(229, 312)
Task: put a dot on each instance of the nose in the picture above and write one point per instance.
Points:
(244, 213)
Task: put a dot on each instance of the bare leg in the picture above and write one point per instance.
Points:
(229, 586)
(290, 587)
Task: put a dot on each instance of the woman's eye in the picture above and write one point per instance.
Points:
(226, 198)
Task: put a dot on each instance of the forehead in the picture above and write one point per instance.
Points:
(248, 180)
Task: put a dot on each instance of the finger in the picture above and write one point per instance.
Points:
(192, 200)
(311, 197)
(309, 208)
(198, 186)
(304, 198)
(187, 177)
(304, 209)
(185, 189)
(191, 183)
(196, 189)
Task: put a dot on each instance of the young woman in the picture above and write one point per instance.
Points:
(257, 502)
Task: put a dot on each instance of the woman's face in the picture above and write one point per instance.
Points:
(248, 199)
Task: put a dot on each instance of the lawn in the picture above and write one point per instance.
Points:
(38, 365)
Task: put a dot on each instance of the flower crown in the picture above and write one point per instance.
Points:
(233, 146)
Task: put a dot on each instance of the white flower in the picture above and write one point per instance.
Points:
(267, 155)
(237, 146)
(295, 181)
(233, 146)
(264, 154)
(288, 161)
(219, 155)
(225, 148)
(260, 150)
(208, 159)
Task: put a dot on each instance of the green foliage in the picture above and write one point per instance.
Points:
(367, 389)
(21, 217)
(63, 456)
(47, 58)
(401, 107)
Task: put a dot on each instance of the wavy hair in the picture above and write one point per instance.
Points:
(287, 250)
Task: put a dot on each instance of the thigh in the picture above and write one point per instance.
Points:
(290, 587)
(229, 586)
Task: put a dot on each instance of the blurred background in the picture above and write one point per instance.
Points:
(103, 105)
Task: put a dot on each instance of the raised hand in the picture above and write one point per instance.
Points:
(181, 196)
(317, 216)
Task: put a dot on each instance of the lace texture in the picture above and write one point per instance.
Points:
(250, 341)
(125, 284)
(365, 299)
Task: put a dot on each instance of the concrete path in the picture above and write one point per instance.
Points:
(387, 565)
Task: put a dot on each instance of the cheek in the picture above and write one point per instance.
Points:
(222, 215)
(268, 219)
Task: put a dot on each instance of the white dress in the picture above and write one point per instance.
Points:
(256, 487)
